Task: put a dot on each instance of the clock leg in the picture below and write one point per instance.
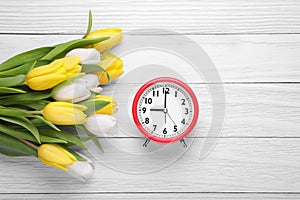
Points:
(146, 142)
(183, 143)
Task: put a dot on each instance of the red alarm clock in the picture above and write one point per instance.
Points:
(165, 110)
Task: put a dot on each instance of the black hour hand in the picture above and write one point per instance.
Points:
(157, 109)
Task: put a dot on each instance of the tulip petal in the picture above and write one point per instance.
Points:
(73, 92)
(87, 56)
(63, 113)
(53, 164)
(111, 61)
(113, 65)
(74, 71)
(113, 74)
(82, 170)
(91, 80)
(115, 35)
(46, 81)
(100, 124)
(110, 108)
(56, 156)
(48, 76)
(79, 107)
(55, 66)
(70, 62)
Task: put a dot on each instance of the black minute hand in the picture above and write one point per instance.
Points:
(165, 103)
(165, 106)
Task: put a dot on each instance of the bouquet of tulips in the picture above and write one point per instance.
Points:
(47, 93)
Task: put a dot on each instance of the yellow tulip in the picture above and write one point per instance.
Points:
(113, 65)
(114, 34)
(110, 108)
(48, 76)
(64, 113)
(56, 156)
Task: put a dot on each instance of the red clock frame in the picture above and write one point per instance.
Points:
(135, 110)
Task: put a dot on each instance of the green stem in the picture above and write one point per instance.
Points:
(90, 23)
(36, 112)
(29, 143)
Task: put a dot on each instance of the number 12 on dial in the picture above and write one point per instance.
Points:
(165, 110)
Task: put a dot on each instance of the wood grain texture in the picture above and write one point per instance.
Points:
(200, 17)
(152, 196)
(255, 46)
(252, 110)
(235, 165)
(238, 58)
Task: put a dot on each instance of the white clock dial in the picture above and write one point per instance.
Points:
(165, 110)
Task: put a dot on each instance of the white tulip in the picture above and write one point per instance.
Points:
(92, 81)
(87, 56)
(73, 92)
(82, 170)
(100, 125)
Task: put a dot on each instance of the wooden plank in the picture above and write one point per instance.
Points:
(200, 17)
(238, 58)
(150, 196)
(252, 110)
(235, 165)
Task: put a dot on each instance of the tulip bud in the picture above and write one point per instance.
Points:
(113, 65)
(73, 92)
(48, 76)
(64, 113)
(87, 56)
(100, 125)
(55, 156)
(114, 34)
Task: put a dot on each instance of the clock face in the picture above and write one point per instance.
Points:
(165, 110)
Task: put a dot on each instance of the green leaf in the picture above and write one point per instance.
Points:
(7, 111)
(5, 90)
(46, 139)
(66, 82)
(36, 105)
(11, 146)
(45, 122)
(76, 155)
(84, 139)
(60, 50)
(22, 69)
(108, 76)
(90, 24)
(28, 97)
(92, 137)
(24, 134)
(18, 133)
(12, 80)
(105, 53)
(64, 136)
(25, 57)
(90, 68)
(42, 63)
(24, 122)
(93, 106)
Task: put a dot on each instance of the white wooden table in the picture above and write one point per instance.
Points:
(255, 46)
